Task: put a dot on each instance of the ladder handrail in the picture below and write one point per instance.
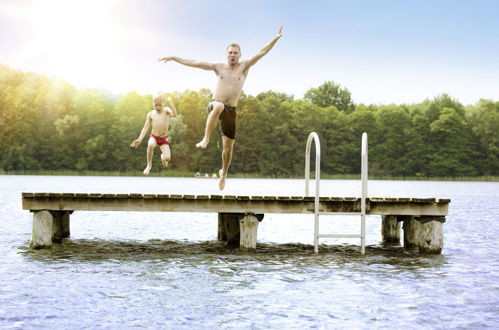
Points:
(314, 137)
(364, 179)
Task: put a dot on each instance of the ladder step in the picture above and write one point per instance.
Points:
(340, 236)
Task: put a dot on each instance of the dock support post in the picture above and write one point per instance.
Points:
(248, 229)
(222, 234)
(48, 227)
(43, 230)
(411, 232)
(431, 235)
(425, 233)
(390, 229)
(61, 225)
(228, 228)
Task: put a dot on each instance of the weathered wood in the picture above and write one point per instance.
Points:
(232, 228)
(63, 223)
(222, 234)
(424, 233)
(43, 230)
(390, 229)
(248, 229)
(411, 232)
(422, 217)
(230, 204)
(431, 237)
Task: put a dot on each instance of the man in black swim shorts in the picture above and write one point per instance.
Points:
(227, 120)
(230, 80)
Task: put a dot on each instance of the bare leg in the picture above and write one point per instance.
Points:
(226, 159)
(165, 155)
(211, 123)
(151, 144)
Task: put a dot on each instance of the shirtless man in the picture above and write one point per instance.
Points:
(160, 121)
(231, 77)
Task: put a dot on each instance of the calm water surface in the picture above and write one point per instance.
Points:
(166, 270)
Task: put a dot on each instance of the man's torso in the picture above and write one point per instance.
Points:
(230, 83)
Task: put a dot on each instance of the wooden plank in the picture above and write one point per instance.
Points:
(136, 196)
(230, 203)
(424, 200)
(109, 196)
(163, 196)
(123, 196)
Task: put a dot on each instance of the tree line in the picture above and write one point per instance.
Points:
(48, 124)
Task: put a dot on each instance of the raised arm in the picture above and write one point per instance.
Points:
(192, 63)
(265, 49)
(143, 133)
(173, 110)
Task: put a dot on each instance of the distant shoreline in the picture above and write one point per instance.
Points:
(173, 173)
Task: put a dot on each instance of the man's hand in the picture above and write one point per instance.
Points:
(135, 144)
(165, 59)
(279, 34)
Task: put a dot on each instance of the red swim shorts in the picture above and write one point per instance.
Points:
(160, 140)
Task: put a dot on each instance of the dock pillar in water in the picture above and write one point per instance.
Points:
(248, 228)
(48, 227)
(390, 229)
(425, 233)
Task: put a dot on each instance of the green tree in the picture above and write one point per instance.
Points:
(330, 94)
(484, 121)
(391, 150)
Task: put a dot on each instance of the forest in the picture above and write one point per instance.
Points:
(46, 124)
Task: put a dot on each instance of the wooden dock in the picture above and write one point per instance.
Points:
(238, 216)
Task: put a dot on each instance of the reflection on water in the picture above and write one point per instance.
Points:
(152, 270)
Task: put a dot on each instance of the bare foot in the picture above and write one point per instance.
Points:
(164, 161)
(203, 144)
(147, 170)
(221, 183)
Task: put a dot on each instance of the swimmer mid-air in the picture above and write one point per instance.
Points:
(159, 119)
(230, 81)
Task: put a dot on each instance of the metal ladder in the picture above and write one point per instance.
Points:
(314, 137)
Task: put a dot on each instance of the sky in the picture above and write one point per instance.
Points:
(383, 51)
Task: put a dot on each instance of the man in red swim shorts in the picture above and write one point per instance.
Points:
(159, 119)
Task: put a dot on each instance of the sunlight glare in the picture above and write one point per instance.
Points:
(77, 40)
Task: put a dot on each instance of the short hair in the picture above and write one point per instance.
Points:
(233, 45)
(158, 95)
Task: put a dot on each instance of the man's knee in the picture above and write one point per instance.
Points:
(228, 143)
(218, 107)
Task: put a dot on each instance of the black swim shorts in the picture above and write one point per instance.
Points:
(227, 120)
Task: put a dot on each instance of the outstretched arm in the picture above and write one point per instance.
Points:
(265, 49)
(145, 129)
(194, 64)
(173, 110)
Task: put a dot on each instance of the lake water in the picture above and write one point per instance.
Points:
(166, 270)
